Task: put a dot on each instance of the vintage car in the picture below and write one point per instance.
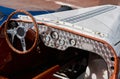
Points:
(76, 44)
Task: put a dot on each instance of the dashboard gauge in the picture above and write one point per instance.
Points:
(54, 35)
(72, 42)
(61, 42)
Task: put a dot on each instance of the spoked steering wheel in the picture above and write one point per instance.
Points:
(20, 32)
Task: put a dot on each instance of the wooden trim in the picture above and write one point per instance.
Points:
(47, 73)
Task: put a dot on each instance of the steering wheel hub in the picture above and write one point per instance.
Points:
(21, 32)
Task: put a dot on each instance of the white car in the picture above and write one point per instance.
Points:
(76, 44)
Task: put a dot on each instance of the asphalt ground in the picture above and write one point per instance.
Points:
(52, 4)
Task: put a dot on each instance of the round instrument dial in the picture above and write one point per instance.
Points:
(54, 35)
(72, 42)
(61, 42)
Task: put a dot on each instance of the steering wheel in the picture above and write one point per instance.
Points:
(20, 32)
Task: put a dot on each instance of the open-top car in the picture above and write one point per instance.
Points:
(76, 44)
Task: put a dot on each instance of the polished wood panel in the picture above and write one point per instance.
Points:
(48, 74)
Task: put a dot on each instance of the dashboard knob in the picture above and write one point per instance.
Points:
(61, 42)
(54, 35)
(72, 42)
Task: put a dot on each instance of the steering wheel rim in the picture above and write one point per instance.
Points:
(6, 34)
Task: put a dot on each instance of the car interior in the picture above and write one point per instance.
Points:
(32, 50)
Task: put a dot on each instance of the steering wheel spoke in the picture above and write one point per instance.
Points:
(23, 43)
(12, 32)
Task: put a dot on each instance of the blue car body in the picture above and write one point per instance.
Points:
(7, 11)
